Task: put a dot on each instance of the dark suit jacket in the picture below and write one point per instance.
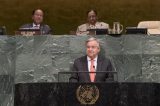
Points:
(81, 64)
(45, 29)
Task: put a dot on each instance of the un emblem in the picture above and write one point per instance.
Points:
(87, 94)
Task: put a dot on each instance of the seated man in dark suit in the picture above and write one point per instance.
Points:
(37, 17)
(92, 62)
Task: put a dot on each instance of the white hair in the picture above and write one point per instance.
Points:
(93, 39)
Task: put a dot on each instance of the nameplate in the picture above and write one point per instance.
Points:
(98, 31)
(28, 32)
(135, 30)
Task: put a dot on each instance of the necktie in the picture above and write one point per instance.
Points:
(92, 69)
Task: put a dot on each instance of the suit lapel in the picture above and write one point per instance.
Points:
(31, 25)
(99, 66)
(85, 64)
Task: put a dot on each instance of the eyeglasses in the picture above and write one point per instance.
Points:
(92, 17)
(38, 15)
(93, 47)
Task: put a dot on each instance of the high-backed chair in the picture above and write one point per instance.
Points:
(152, 26)
(2, 30)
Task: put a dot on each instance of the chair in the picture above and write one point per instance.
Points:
(152, 26)
(2, 30)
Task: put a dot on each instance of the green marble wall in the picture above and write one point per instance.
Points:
(136, 58)
(7, 70)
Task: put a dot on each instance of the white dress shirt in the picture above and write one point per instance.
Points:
(89, 63)
(36, 26)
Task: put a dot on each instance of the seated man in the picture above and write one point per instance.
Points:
(92, 62)
(37, 17)
(91, 24)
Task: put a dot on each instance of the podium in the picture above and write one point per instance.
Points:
(65, 94)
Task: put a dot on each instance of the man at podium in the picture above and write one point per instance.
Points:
(92, 23)
(97, 66)
(37, 17)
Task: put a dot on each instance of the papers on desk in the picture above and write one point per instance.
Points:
(153, 32)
